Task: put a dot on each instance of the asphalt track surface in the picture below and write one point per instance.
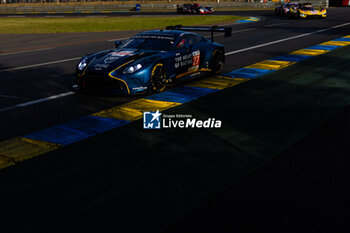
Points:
(33, 70)
(21, 85)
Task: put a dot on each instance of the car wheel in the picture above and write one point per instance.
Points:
(217, 61)
(158, 78)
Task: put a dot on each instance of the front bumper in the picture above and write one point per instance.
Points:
(206, 12)
(313, 16)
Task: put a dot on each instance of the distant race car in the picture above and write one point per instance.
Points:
(194, 8)
(185, 8)
(149, 61)
(284, 8)
(306, 10)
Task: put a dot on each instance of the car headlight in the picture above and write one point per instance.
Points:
(201, 10)
(132, 69)
(82, 64)
(302, 14)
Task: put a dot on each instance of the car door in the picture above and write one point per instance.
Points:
(183, 55)
(187, 57)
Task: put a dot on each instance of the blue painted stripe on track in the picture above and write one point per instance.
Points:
(181, 94)
(323, 47)
(76, 130)
(244, 21)
(342, 39)
(290, 57)
(59, 135)
(249, 73)
(94, 124)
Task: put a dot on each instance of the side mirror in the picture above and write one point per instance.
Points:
(117, 43)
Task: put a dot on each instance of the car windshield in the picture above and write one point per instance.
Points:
(308, 8)
(152, 42)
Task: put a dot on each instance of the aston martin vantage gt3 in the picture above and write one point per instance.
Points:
(151, 60)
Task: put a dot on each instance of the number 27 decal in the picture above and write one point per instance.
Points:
(196, 59)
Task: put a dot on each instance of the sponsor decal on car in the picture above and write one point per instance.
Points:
(99, 66)
(154, 37)
(195, 60)
(184, 60)
(116, 55)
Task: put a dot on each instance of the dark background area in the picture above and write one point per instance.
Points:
(301, 190)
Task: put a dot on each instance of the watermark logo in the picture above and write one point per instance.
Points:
(157, 120)
(152, 120)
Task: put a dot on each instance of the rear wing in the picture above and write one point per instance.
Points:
(226, 30)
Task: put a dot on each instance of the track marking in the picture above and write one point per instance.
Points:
(271, 65)
(26, 51)
(217, 82)
(37, 101)
(286, 39)
(309, 52)
(20, 148)
(276, 24)
(118, 39)
(40, 64)
(134, 110)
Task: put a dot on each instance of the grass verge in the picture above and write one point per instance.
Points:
(103, 24)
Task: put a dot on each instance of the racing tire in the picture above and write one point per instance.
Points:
(158, 78)
(217, 61)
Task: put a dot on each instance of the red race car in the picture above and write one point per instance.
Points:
(194, 8)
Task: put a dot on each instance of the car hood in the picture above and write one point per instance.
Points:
(312, 11)
(107, 61)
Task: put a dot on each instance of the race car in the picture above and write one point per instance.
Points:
(194, 8)
(185, 8)
(151, 60)
(284, 8)
(306, 10)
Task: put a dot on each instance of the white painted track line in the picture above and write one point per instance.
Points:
(40, 64)
(285, 39)
(37, 101)
(26, 51)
